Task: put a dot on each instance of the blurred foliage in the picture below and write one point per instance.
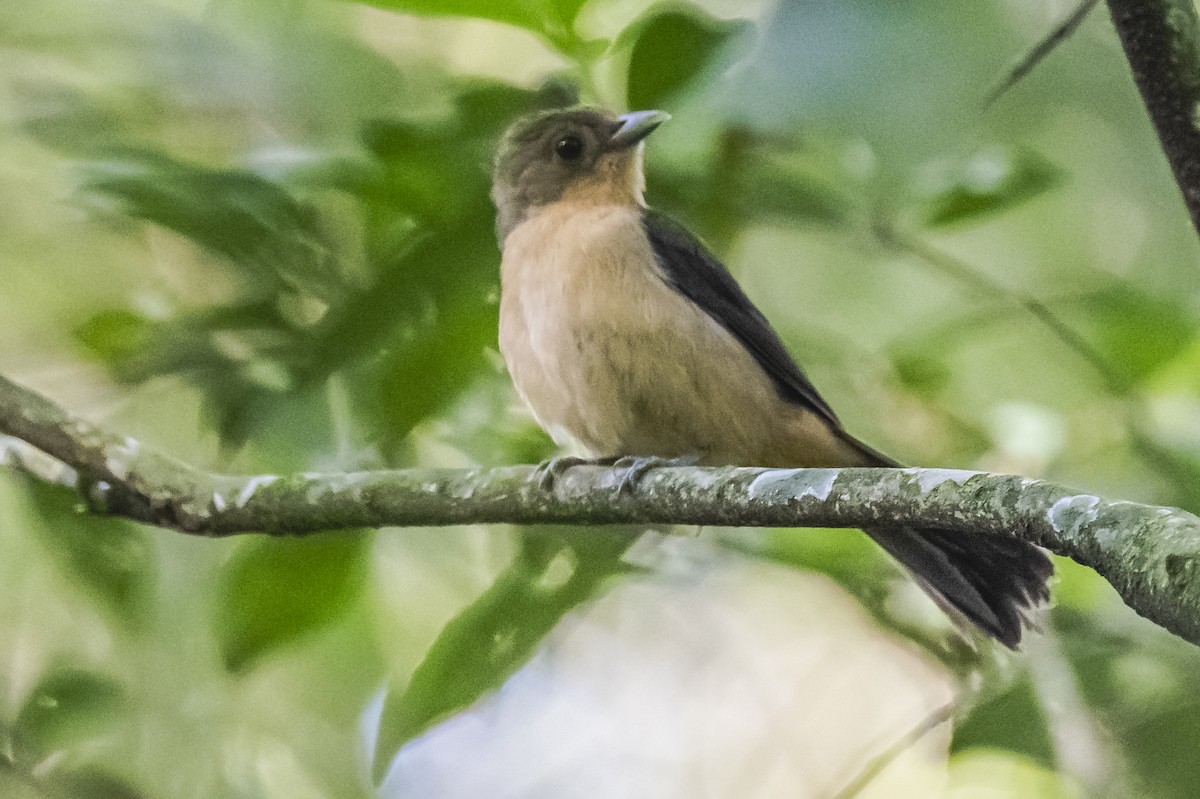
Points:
(671, 50)
(108, 558)
(498, 632)
(553, 19)
(1138, 333)
(68, 707)
(985, 183)
(274, 592)
(269, 225)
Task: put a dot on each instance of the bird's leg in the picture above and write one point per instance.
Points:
(636, 467)
(548, 472)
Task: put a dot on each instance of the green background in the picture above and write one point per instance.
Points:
(257, 235)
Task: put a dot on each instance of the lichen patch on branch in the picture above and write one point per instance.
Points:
(1070, 513)
(782, 484)
(929, 479)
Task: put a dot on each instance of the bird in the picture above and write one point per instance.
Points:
(625, 335)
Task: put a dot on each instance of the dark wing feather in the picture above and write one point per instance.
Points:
(993, 580)
(694, 272)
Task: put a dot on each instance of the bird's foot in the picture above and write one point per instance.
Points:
(636, 467)
(548, 472)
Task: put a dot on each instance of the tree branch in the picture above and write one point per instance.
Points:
(1151, 555)
(1162, 44)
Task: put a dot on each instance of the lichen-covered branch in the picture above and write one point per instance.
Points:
(1161, 39)
(1151, 555)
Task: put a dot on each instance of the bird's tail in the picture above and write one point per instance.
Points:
(992, 580)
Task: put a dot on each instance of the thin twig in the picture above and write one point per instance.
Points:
(1116, 382)
(1042, 49)
(881, 761)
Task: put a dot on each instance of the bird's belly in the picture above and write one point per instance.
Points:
(605, 352)
(545, 357)
(644, 372)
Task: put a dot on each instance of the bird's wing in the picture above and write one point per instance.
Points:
(694, 272)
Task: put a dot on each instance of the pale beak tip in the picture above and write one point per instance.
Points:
(636, 126)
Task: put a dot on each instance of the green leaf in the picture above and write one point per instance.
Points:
(73, 121)
(253, 221)
(1135, 331)
(484, 644)
(435, 367)
(484, 425)
(924, 375)
(773, 193)
(351, 171)
(754, 177)
(987, 182)
(845, 555)
(487, 108)
(66, 708)
(514, 12)
(551, 18)
(671, 50)
(92, 783)
(245, 359)
(1176, 461)
(1013, 720)
(137, 348)
(109, 558)
(1143, 684)
(423, 169)
(431, 319)
(274, 592)
(116, 337)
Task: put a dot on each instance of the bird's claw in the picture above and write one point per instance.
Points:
(636, 467)
(548, 472)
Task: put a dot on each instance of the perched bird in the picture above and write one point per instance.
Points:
(623, 333)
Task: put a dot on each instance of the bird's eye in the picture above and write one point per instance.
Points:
(569, 148)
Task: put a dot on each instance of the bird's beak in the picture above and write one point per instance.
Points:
(635, 127)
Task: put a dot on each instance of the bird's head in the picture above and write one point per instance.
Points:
(587, 155)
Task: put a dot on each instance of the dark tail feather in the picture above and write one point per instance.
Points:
(992, 580)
